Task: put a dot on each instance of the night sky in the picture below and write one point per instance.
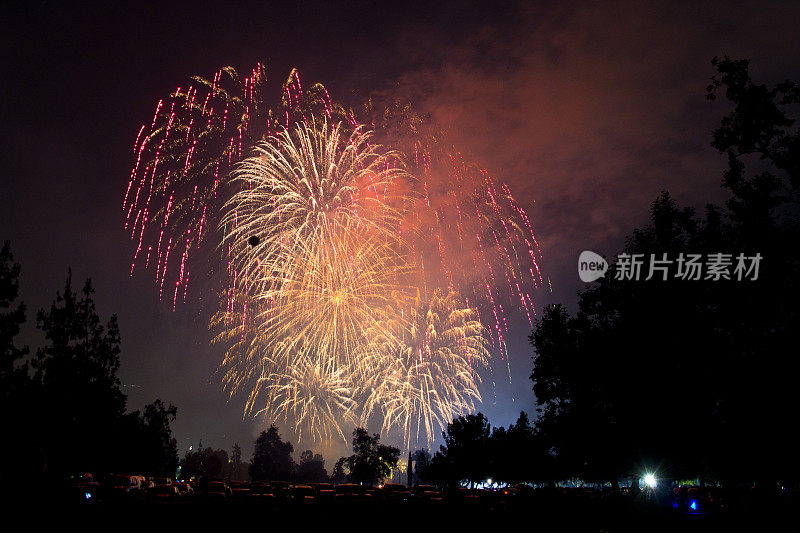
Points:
(586, 110)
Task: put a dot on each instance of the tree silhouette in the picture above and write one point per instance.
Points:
(422, 461)
(238, 468)
(272, 457)
(466, 448)
(371, 461)
(761, 141)
(339, 475)
(12, 316)
(759, 125)
(618, 389)
(77, 370)
(69, 415)
(311, 468)
(160, 448)
(16, 389)
(205, 463)
(409, 471)
(518, 454)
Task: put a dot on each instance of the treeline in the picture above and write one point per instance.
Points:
(206, 462)
(474, 452)
(272, 460)
(62, 406)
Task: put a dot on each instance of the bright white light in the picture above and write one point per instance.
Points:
(489, 481)
(650, 480)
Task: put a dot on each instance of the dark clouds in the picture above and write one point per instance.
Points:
(589, 110)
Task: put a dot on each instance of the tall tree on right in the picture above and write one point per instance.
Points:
(761, 141)
(692, 377)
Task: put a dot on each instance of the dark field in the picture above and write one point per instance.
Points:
(393, 506)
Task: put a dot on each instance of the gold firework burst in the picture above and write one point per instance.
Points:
(324, 270)
(432, 375)
(315, 396)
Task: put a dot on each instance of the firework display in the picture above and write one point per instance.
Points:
(358, 283)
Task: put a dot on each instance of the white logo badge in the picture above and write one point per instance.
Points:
(591, 266)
